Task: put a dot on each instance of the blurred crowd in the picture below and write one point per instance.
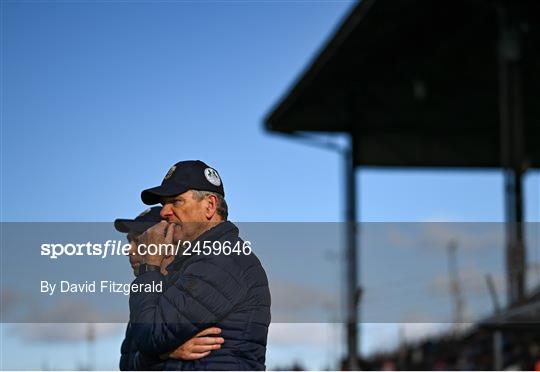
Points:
(474, 350)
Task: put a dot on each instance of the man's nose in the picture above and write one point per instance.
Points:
(166, 212)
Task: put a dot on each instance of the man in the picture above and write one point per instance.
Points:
(228, 291)
(197, 347)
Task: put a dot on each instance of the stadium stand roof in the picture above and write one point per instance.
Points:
(417, 84)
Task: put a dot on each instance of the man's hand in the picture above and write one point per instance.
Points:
(134, 259)
(199, 346)
(161, 233)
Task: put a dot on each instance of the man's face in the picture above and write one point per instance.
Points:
(187, 213)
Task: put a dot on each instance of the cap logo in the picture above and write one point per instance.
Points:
(170, 173)
(212, 176)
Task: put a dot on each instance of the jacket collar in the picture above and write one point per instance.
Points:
(218, 231)
(212, 234)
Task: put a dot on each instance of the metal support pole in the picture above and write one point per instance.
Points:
(351, 261)
(498, 354)
(497, 334)
(511, 140)
(91, 338)
(353, 291)
(455, 288)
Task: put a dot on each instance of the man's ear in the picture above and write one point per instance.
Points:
(211, 206)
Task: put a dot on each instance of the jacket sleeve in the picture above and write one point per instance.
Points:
(126, 352)
(133, 360)
(208, 289)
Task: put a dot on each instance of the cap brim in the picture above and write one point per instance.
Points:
(131, 226)
(153, 196)
(121, 225)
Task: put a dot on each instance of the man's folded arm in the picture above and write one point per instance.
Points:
(203, 295)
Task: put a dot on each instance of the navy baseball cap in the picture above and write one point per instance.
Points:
(184, 176)
(141, 223)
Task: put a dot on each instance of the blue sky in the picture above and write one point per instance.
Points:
(99, 99)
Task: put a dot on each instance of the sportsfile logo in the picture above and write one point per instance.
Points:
(110, 247)
(116, 248)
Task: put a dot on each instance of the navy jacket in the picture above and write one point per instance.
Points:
(126, 351)
(227, 291)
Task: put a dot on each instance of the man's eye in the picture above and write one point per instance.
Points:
(177, 203)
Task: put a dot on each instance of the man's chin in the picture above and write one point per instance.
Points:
(178, 235)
